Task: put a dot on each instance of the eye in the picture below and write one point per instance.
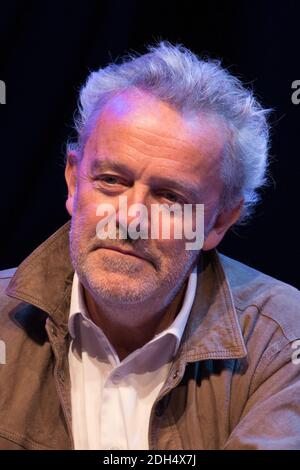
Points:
(109, 183)
(109, 179)
(172, 197)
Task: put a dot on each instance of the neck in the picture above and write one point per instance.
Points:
(128, 331)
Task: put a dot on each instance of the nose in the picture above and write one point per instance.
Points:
(133, 208)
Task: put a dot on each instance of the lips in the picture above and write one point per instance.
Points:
(124, 252)
(130, 252)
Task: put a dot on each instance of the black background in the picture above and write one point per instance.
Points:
(46, 52)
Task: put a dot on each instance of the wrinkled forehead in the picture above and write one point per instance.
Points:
(135, 106)
(137, 111)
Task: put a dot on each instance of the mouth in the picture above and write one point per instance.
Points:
(124, 252)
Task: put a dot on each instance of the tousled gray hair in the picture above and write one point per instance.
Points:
(175, 75)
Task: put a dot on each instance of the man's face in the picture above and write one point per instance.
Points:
(143, 149)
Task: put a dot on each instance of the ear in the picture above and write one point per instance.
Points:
(71, 178)
(223, 222)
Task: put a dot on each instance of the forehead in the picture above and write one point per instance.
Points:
(134, 106)
(136, 125)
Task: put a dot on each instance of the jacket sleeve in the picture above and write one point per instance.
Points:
(271, 417)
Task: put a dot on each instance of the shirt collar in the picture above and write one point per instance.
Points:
(77, 306)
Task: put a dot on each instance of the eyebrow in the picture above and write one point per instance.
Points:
(103, 165)
(186, 187)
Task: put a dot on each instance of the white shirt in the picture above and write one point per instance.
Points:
(112, 399)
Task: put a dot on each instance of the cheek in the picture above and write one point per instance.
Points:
(172, 249)
(87, 201)
(93, 212)
(84, 216)
(185, 226)
(186, 234)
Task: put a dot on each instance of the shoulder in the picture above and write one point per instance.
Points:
(7, 273)
(7, 303)
(5, 277)
(274, 300)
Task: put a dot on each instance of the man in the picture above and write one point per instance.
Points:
(136, 342)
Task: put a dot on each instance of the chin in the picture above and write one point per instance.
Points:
(120, 288)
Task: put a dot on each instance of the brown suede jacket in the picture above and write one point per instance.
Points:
(233, 383)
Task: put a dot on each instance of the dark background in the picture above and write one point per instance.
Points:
(46, 52)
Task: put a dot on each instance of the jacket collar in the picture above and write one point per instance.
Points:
(44, 279)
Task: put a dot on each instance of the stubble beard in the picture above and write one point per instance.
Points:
(117, 281)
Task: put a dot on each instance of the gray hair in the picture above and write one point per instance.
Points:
(175, 75)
